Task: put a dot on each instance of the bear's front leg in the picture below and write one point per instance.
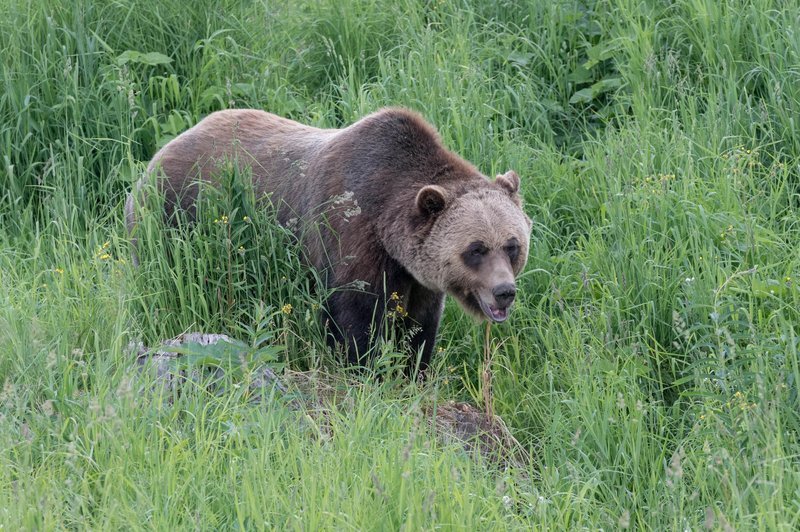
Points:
(425, 312)
(357, 321)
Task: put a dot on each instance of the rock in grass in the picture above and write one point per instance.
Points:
(190, 357)
(207, 360)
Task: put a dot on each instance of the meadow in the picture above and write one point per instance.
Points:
(650, 364)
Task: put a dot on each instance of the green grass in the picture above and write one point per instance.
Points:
(651, 364)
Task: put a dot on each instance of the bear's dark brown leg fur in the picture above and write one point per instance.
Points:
(351, 322)
(425, 312)
(360, 316)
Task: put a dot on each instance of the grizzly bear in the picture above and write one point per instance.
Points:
(393, 212)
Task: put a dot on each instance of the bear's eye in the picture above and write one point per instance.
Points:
(512, 250)
(474, 254)
(478, 250)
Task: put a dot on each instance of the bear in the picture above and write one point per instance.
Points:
(393, 210)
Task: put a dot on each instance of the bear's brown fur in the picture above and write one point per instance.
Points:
(401, 213)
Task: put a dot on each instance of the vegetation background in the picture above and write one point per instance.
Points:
(651, 364)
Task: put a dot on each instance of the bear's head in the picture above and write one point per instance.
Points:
(477, 245)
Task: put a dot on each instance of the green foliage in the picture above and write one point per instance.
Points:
(219, 269)
(232, 356)
(651, 363)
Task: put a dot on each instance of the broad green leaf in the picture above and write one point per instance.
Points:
(150, 58)
(520, 58)
(582, 96)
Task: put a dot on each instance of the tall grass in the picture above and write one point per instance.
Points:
(651, 363)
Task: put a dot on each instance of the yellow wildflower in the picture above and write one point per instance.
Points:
(102, 252)
(287, 309)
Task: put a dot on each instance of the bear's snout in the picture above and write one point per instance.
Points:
(504, 294)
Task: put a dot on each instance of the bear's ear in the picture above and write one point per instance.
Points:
(509, 181)
(431, 199)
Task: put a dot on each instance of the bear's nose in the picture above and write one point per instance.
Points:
(504, 294)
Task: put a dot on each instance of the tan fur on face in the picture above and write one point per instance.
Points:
(486, 215)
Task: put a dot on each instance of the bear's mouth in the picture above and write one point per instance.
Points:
(496, 314)
(472, 303)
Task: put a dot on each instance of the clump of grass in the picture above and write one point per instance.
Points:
(212, 268)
